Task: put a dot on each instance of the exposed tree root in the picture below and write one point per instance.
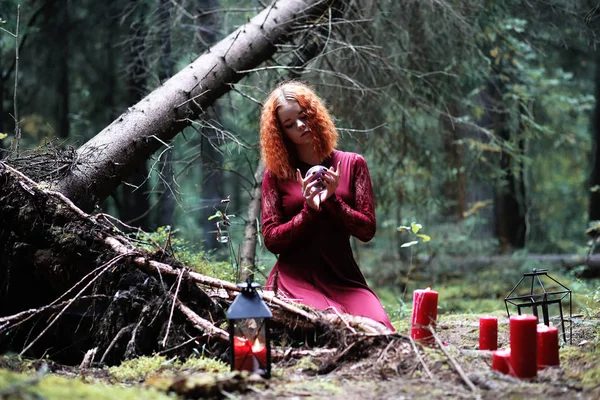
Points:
(73, 285)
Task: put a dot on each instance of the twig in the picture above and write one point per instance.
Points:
(164, 343)
(203, 324)
(425, 367)
(121, 332)
(455, 364)
(342, 318)
(25, 315)
(16, 116)
(71, 301)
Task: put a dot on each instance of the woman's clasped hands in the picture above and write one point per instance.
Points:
(316, 191)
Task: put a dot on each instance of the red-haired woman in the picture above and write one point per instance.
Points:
(310, 227)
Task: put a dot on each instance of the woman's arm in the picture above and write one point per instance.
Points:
(278, 234)
(359, 221)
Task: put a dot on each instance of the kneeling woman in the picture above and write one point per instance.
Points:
(309, 223)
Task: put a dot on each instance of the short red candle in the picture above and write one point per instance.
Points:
(501, 360)
(547, 346)
(242, 354)
(260, 355)
(247, 357)
(424, 313)
(488, 333)
(523, 346)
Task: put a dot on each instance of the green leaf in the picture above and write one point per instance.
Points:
(415, 227)
(409, 244)
(424, 237)
(3, 135)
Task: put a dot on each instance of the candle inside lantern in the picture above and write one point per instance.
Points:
(523, 346)
(249, 357)
(424, 313)
(547, 346)
(259, 352)
(501, 360)
(488, 333)
(243, 354)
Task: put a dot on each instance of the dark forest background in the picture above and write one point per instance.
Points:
(478, 120)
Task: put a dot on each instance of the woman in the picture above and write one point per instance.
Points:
(310, 226)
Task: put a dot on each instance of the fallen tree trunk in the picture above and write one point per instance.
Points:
(145, 127)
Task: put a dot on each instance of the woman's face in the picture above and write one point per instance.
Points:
(292, 120)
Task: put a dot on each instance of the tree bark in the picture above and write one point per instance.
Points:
(166, 201)
(248, 254)
(157, 118)
(594, 208)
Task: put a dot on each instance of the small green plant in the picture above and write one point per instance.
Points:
(223, 223)
(194, 257)
(414, 229)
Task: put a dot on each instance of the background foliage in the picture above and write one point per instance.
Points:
(475, 118)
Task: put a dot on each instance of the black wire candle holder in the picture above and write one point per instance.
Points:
(541, 292)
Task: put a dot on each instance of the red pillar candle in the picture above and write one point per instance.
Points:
(424, 313)
(547, 346)
(259, 352)
(242, 353)
(501, 360)
(523, 346)
(488, 333)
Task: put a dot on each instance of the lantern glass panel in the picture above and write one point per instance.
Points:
(250, 345)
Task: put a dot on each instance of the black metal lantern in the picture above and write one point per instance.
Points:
(537, 289)
(250, 346)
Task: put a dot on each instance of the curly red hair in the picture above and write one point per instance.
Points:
(277, 151)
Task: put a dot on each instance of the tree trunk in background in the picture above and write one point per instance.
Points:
(212, 182)
(454, 188)
(61, 60)
(248, 252)
(211, 186)
(133, 202)
(510, 198)
(166, 201)
(2, 87)
(594, 208)
(140, 131)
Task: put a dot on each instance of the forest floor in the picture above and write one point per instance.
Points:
(386, 368)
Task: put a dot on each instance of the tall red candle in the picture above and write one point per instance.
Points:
(424, 313)
(488, 333)
(547, 346)
(501, 360)
(523, 346)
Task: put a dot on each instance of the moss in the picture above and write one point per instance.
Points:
(139, 368)
(58, 387)
(206, 364)
(581, 364)
(307, 364)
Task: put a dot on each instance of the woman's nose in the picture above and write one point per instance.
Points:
(301, 124)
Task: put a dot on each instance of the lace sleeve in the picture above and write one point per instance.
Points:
(278, 233)
(359, 221)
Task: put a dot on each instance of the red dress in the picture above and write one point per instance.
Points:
(316, 265)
